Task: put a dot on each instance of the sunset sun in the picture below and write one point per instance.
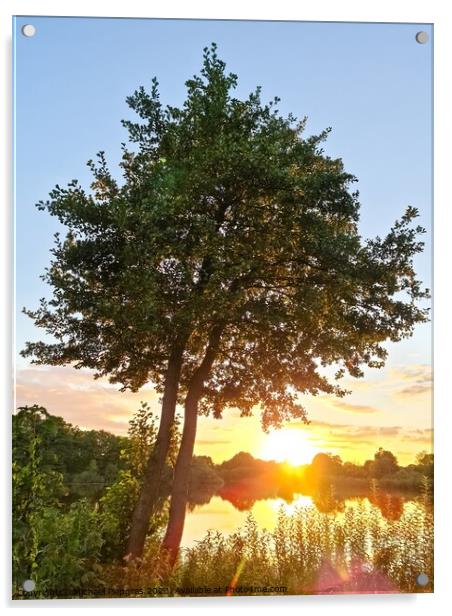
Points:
(288, 445)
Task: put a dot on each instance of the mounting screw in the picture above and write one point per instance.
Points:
(28, 30)
(422, 37)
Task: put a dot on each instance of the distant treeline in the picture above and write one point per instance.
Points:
(89, 461)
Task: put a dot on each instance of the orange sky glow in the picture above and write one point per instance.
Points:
(390, 408)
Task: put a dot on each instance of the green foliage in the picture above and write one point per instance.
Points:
(141, 439)
(228, 220)
(70, 545)
(36, 486)
(89, 482)
(79, 456)
(204, 480)
(116, 508)
(119, 500)
(325, 464)
(60, 543)
(84, 447)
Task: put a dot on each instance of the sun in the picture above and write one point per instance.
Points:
(289, 445)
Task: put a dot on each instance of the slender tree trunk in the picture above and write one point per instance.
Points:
(154, 469)
(179, 494)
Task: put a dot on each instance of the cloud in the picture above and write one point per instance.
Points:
(389, 430)
(353, 408)
(80, 399)
(419, 373)
(340, 436)
(221, 427)
(405, 381)
(347, 432)
(207, 441)
(350, 431)
(420, 436)
(414, 390)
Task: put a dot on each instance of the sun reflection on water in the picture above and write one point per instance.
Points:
(290, 508)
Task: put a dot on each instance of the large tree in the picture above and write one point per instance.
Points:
(227, 268)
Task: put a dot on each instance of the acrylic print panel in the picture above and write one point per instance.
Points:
(223, 374)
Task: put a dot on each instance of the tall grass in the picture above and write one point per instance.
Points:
(356, 550)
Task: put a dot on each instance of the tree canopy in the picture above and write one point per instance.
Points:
(228, 221)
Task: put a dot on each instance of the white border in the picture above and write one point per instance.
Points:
(432, 11)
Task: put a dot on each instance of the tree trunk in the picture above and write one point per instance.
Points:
(156, 463)
(154, 469)
(179, 494)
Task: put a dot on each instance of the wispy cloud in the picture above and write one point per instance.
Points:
(352, 408)
(419, 373)
(78, 398)
(416, 380)
(352, 432)
(363, 441)
(208, 441)
(419, 437)
(414, 390)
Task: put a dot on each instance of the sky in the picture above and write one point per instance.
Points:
(371, 83)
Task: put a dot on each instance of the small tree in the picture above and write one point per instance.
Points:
(120, 499)
(424, 459)
(384, 463)
(227, 268)
(326, 465)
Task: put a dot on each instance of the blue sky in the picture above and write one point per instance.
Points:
(372, 83)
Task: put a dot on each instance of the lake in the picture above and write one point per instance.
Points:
(220, 514)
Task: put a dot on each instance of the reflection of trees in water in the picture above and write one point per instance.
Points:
(390, 505)
(240, 502)
(243, 495)
(244, 481)
(199, 497)
(204, 482)
(286, 494)
(326, 500)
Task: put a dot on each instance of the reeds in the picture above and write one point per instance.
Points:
(356, 550)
